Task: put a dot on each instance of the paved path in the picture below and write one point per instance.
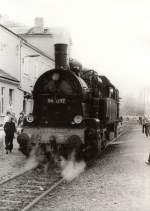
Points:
(12, 162)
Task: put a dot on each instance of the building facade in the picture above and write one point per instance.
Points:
(21, 64)
(9, 95)
(44, 38)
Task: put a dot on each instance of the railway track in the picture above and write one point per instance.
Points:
(24, 190)
(124, 129)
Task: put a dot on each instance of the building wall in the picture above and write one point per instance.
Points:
(46, 43)
(13, 104)
(9, 53)
(23, 62)
(43, 42)
(33, 64)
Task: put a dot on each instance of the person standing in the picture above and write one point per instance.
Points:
(147, 129)
(20, 120)
(140, 120)
(145, 121)
(9, 129)
(6, 118)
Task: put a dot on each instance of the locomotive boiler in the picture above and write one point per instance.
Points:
(74, 109)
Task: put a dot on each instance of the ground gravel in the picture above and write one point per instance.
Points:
(11, 163)
(119, 180)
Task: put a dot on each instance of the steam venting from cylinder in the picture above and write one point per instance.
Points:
(61, 56)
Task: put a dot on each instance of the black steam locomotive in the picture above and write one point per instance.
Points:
(74, 108)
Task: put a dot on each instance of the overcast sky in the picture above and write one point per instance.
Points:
(112, 36)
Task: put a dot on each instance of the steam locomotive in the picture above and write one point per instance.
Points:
(74, 109)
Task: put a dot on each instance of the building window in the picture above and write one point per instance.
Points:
(11, 96)
(2, 99)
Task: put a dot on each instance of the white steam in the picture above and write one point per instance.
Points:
(32, 162)
(71, 168)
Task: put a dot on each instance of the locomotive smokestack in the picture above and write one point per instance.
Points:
(61, 56)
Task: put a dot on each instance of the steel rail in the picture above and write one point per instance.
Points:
(114, 140)
(119, 135)
(36, 200)
(14, 176)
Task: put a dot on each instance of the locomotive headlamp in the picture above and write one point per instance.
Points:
(78, 119)
(30, 118)
(55, 76)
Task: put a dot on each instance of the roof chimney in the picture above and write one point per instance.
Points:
(39, 23)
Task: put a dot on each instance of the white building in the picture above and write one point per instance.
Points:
(9, 94)
(21, 64)
(44, 38)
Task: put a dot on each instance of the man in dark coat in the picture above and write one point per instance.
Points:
(9, 129)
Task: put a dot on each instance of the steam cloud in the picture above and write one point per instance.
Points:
(31, 163)
(71, 168)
